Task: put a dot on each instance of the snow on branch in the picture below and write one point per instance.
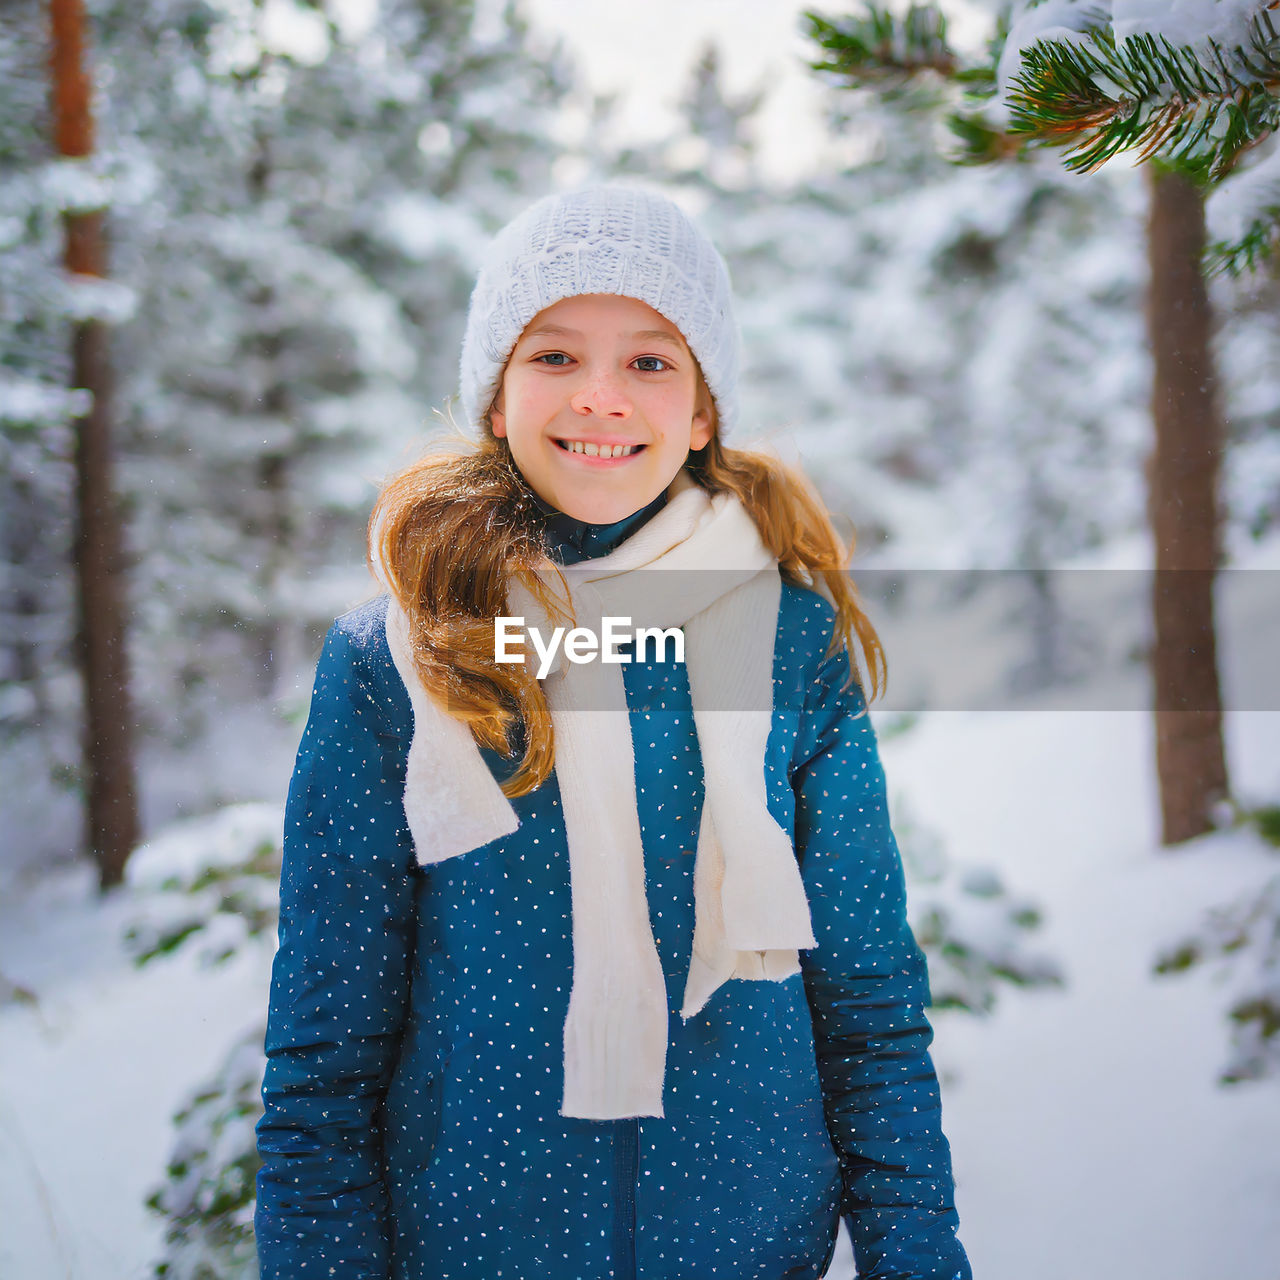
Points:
(33, 402)
(209, 885)
(971, 928)
(1244, 218)
(95, 298)
(1195, 83)
(1200, 103)
(1242, 938)
(207, 1197)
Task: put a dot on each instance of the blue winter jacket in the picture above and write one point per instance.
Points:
(414, 1076)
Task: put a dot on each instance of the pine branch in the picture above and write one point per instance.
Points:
(1250, 230)
(981, 142)
(1235, 257)
(889, 52)
(1198, 108)
(1149, 96)
(882, 48)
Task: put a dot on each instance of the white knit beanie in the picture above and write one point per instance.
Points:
(601, 239)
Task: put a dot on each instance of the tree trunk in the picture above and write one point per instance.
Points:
(1183, 476)
(111, 809)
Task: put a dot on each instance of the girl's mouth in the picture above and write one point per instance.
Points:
(600, 452)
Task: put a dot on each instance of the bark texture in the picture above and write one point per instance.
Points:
(1183, 480)
(111, 809)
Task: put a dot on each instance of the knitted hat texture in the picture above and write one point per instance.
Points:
(602, 239)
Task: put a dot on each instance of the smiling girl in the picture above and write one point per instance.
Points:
(599, 968)
(600, 404)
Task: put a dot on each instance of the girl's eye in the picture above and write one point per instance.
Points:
(651, 364)
(556, 359)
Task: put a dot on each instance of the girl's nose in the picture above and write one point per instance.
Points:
(602, 395)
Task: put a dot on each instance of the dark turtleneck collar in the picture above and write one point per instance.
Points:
(571, 541)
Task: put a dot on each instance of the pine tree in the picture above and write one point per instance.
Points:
(1196, 106)
(111, 802)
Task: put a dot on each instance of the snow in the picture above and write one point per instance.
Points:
(299, 33)
(93, 298)
(25, 400)
(423, 227)
(91, 1074)
(1182, 22)
(1199, 24)
(1092, 1108)
(1064, 20)
(1189, 22)
(75, 185)
(1253, 195)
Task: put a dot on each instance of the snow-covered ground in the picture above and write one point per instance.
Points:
(91, 1073)
(1088, 1134)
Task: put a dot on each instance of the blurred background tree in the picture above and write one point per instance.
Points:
(111, 804)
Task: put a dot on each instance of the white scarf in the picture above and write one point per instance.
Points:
(751, 914)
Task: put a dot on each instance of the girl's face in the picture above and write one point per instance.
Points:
(596, 375)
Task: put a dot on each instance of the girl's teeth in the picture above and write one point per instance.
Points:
(601, 450)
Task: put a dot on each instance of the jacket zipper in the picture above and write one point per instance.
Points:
(626, 1168)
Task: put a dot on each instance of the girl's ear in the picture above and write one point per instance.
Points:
(498, 419)
(702, 431)
(703, 426)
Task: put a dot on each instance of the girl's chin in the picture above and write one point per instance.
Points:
(605, 515)
(602, 508)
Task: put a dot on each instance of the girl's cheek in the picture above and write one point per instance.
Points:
(677, 402)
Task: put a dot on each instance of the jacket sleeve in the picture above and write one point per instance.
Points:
(339, 983)
(868, 988)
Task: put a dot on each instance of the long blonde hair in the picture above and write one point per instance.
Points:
(452, 530)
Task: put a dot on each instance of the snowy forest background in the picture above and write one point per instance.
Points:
(297, 195)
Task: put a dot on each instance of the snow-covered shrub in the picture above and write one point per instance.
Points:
(207, 888)
(211, 883)
(208, 1194)
(1244, 936)
(971, 929)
